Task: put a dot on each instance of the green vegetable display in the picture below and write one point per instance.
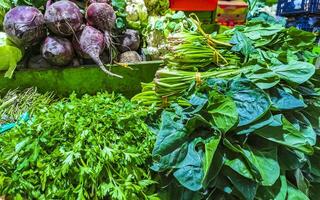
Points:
(244, 129)
(159, 28)
(95, 147)
(137, 14)
(10, 55)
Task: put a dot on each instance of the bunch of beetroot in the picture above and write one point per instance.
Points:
(70, 33)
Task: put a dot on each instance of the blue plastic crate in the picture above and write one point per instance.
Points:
(298, 7)
(307, 23)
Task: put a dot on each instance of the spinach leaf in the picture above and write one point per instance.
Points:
(242, 44)
(172, 134)
(223, 111)
(294, 72)
(251, 101)
(281, 131)
(190, 171)
(285, 99)
(278, 191)
(213, 162)
(303, 125)
(294, 193)
(238, 165)
(291, 159)
(264, 78)
(263, 162)
(246, 187)
(250, 128)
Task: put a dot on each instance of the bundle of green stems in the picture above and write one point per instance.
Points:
(169, 85)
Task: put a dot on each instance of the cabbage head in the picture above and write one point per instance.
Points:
(137, 14)
(10, 55)
(157, 7)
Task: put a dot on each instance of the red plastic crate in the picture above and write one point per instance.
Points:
(193, 5)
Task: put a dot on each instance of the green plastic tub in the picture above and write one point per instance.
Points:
(83, 79)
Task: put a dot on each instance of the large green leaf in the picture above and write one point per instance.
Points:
(284, 99)
(190, 172)
(250, 128)
(281, 131)
(302, 124)
(295, 194)
(170, 160)
(246, 187)
(302, 183)
(299, 39)
(172, 134)
(290, 159)
(212, 162)
(223, 111)
(295, 72)
(315, 163)
(242, 44)
(263, 162)
(251, 101)
(238, 165)
(264, 78)
(278, 191)
(262, 30)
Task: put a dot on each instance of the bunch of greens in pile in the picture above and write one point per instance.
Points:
(136, 14)
(260, 50)
(243, 131)
(15, 103)
(158, 29)
(243, 140)
(95, 147)
(157, 7)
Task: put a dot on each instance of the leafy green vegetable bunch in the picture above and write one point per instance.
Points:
(257, 42)
(158, 29)
(242, 140)
(248, 131)
(270, 43)
(157, 7)
(94, 147)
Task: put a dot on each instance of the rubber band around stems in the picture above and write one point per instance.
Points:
(198, 79)
(165, 101)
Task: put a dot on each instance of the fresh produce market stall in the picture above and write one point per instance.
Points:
(127, 99)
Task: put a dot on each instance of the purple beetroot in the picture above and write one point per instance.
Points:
(129, 41)
(63, 18)
(90, 43)
(24, 25)
(57, 51)
(102, 17)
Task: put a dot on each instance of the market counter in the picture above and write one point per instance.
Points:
(83, 79)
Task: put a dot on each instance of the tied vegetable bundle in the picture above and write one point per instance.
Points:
(247, 130)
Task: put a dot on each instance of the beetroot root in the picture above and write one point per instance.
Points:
(63, 18)
(25, 25)
(90, 43)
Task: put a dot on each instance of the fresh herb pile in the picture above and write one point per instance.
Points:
(244, 129)
(94, 147)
